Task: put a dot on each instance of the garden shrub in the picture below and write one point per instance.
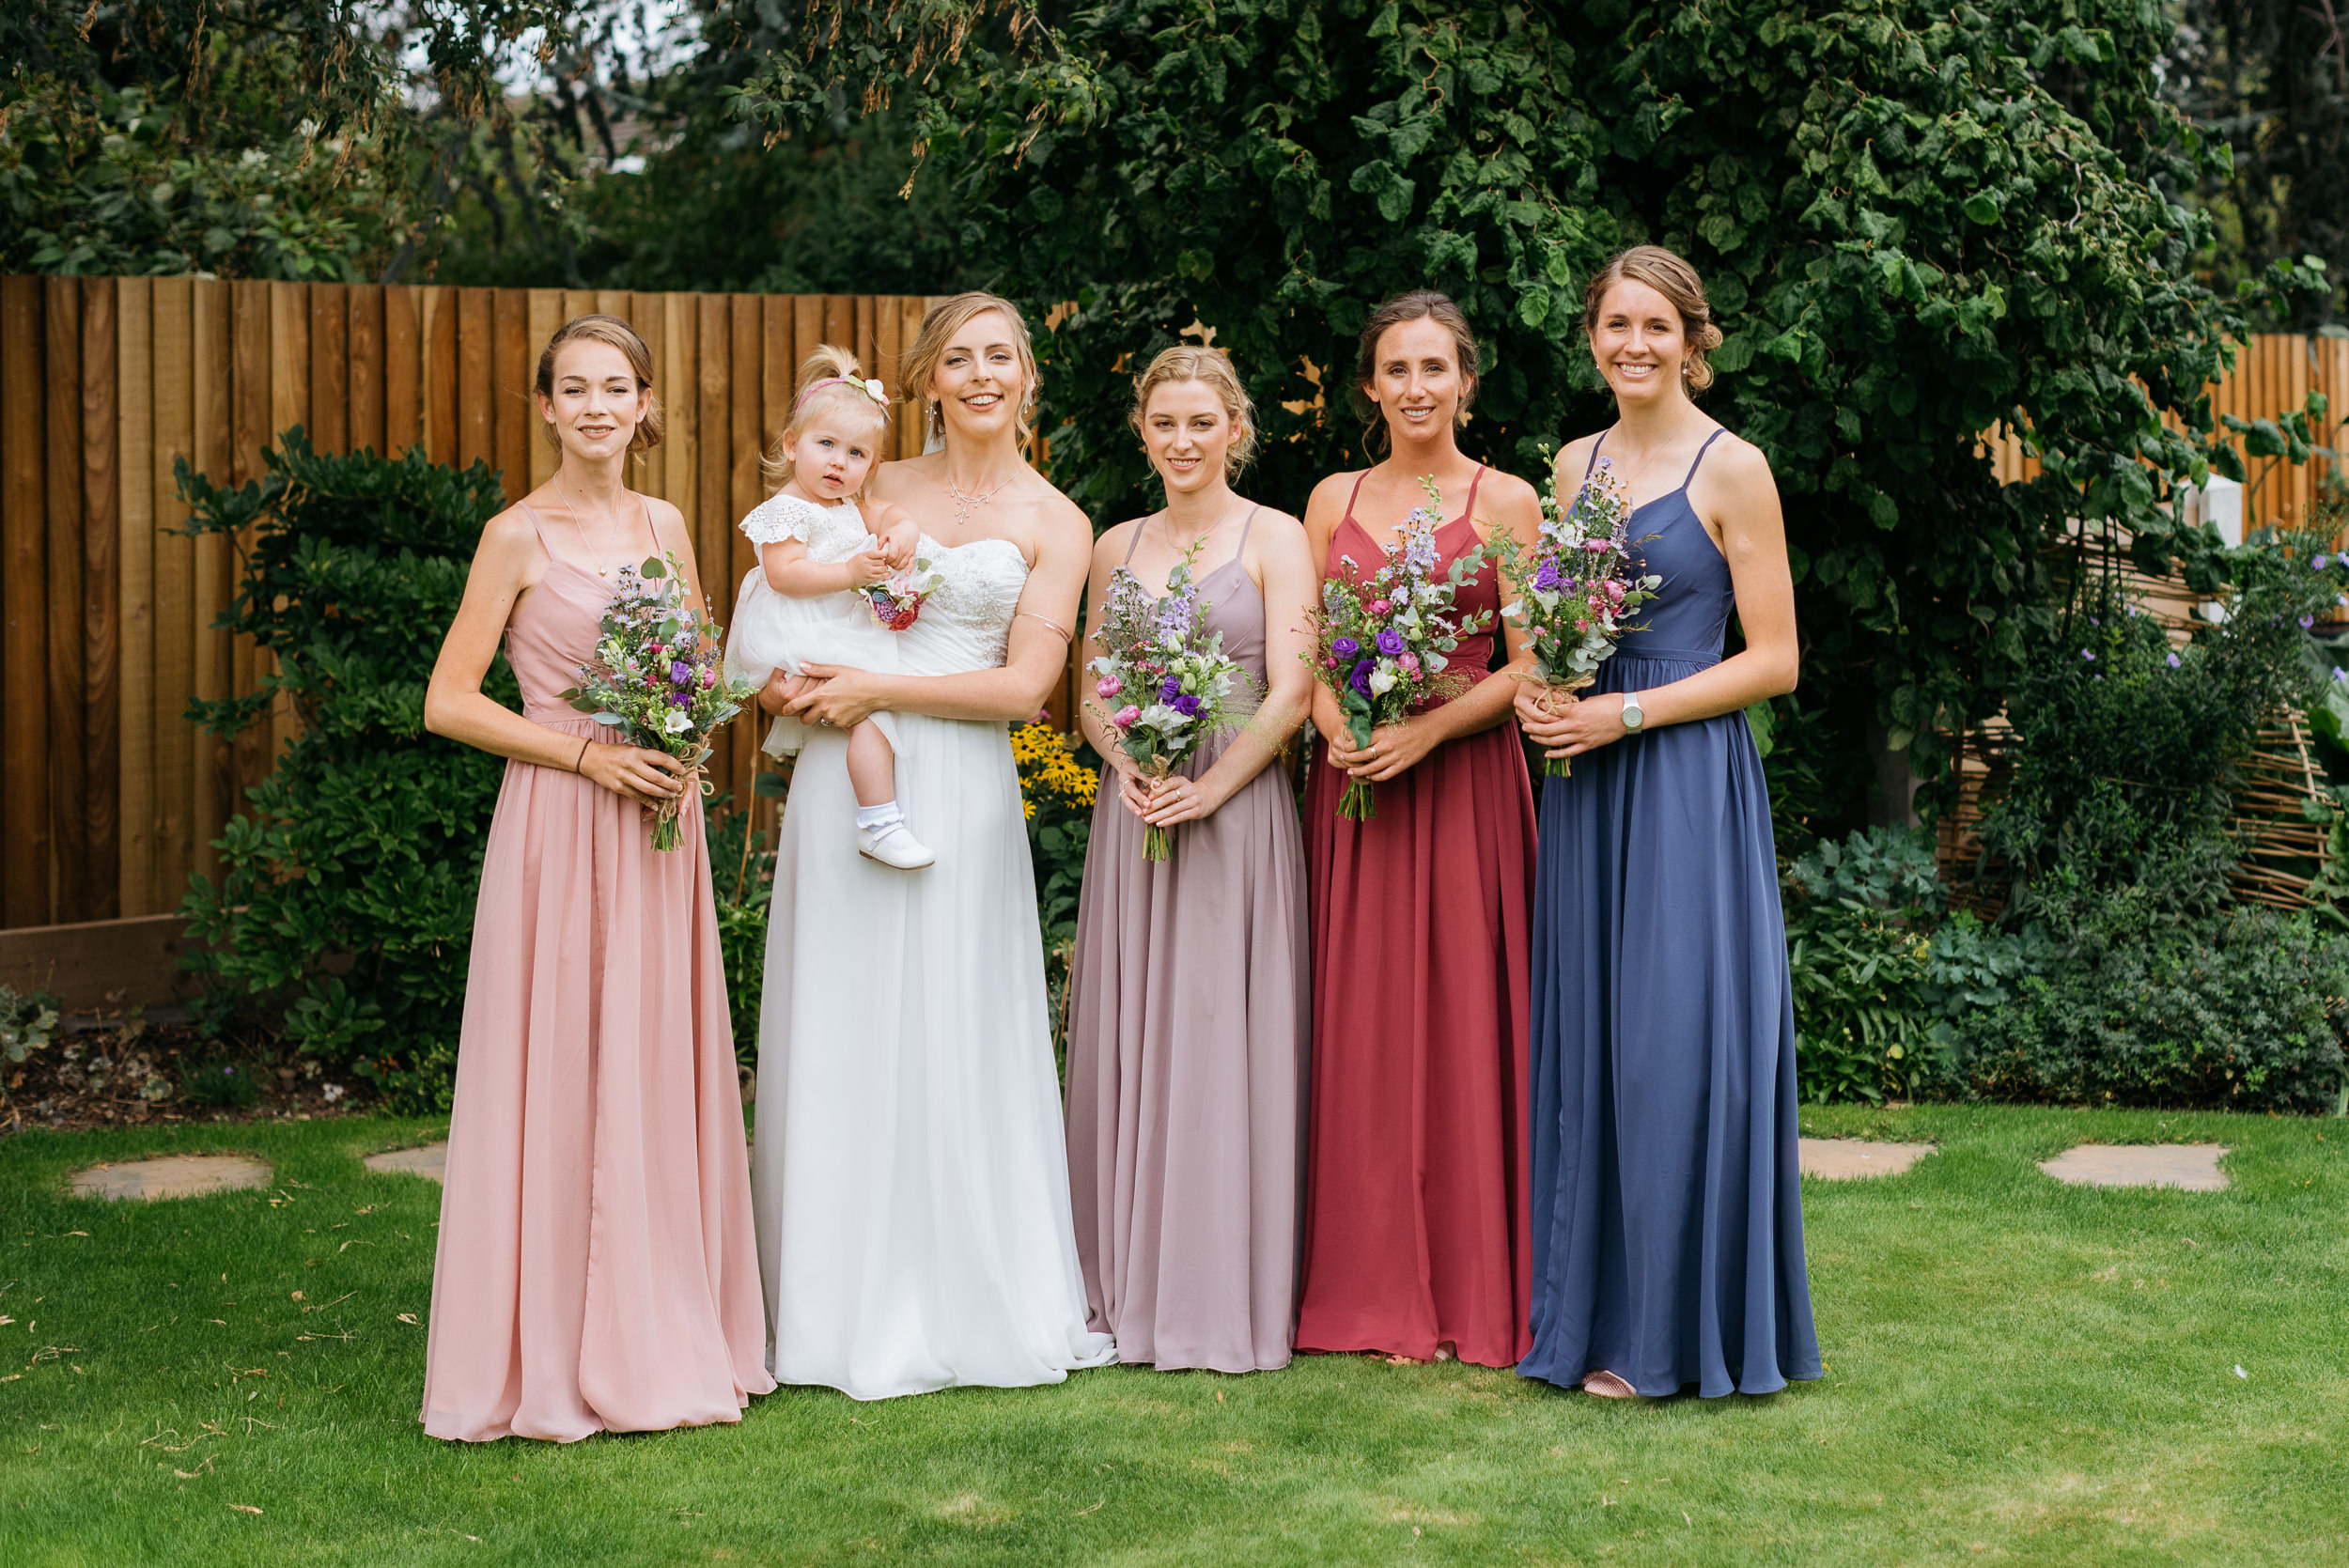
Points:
(1056, 789)
(343, 912)
(1857, 947)
(742, 876)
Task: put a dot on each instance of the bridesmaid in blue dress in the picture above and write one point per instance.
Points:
(1667, 1207)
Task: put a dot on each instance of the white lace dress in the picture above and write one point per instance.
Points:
(908, 1173)
(776, 631)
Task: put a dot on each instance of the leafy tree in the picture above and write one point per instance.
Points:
(2270, 79)
(1917, 221)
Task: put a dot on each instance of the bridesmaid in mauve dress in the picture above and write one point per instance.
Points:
(1187, 1020)
(1415, 1240)
(596, 1269)
(1667, 1207)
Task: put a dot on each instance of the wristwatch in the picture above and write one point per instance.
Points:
(1632, 715)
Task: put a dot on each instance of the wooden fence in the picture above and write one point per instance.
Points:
(110, 798)
(2274, 373)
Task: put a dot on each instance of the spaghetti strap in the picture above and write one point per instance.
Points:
(1244, 527)
(1133, 544)
(1592, 466)
(1354, 496)
(537, 527)
(1701, 452)
(1467, 509)
(650, 532)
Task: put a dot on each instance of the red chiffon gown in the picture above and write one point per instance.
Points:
(1416, 1231)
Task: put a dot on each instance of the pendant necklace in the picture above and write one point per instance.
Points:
(966, 502)
(602, 569)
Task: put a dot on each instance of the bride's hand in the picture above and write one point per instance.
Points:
(843, 698)
(782, 690)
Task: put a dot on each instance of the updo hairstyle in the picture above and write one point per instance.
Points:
(945, 318)
(612, 330)
(1420, 304)
(830, 382)
(1670, 275)
(1213, 368)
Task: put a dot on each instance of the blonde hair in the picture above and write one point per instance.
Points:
(831, 382)
(620, 336)
(1212, 368)
(1671, 277)
(945, 318)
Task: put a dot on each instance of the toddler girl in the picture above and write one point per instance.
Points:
(816, 547)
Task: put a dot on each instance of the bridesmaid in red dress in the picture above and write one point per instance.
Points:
(1416, 1240)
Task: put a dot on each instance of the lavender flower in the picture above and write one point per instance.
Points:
(2173, 663)
(1169, 688)
(1391, 642)
(1549, 578)
(1187, 705)
(1346, 648)
(1360, 679)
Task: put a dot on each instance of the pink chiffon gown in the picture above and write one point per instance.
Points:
(596, 1269)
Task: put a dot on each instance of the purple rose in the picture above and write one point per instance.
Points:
(1546, 579)
(1187, 706)
(681, 673)
(1391, 642)
(1346, 648)
(1360, 678)
(1169, 688)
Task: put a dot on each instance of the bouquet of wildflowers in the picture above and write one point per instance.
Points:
(658, 678)
(1576, 594)
(1164, 682)
(896, 601)
(1384, 644)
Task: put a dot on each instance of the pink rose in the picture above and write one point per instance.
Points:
(1581, 626)
(1109, 686)
(1411, 664)
(1123, 718)
(1379, 607)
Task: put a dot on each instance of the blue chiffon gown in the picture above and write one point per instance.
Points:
(1667, 1205)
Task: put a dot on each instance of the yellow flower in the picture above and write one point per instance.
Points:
(1049, 767)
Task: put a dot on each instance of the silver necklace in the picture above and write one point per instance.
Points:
(966, 502)
(609, 518)
(1166, 526)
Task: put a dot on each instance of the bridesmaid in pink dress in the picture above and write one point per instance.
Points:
(596, 1269)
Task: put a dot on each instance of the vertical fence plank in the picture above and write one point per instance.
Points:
(441, 444)
(730, 552)
(509, 310)
(136, 653)
(546, 315)
(61, 495)
(288, 359)
(612, 301)
(716, 488)
(867, 331)
(330, 368)
(650, 472)
(102, 599)
(839, 322)
(678, 339)
(913, 414)
(174, 751)
(403, 369)
(578, 302)
(477, 360)
(214, 435)
(888, 348)
(254, 378)
(25, 848)
(366, 368)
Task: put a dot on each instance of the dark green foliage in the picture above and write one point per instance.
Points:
(2243, 1010)
(347, 889)
(2126, 745)
(222, 1083)
(1917, 221)
(741, 872)
(1855, 918)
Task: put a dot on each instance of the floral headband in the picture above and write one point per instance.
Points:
(873, 389)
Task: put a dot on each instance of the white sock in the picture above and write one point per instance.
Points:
(878, 816)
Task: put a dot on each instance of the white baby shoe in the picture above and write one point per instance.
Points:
(893, 843)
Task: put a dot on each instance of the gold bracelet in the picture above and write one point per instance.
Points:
(1066, 634)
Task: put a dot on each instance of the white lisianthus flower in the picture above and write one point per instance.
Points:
(677, 723)
(1382, 679)
(1164, 720)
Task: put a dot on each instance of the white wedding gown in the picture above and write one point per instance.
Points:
(908, 1173)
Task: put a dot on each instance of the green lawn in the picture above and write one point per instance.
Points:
(2019, 1373)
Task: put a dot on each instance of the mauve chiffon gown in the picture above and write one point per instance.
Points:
(1415, 1230)
(1667, 1205)
(596, 1269)
(1186, 1046)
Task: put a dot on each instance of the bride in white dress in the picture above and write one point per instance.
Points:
(909, 1179)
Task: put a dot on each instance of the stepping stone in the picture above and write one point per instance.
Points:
(430, 1162)
(1838, 1159)
(172, 1176)
(2193, 1167)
